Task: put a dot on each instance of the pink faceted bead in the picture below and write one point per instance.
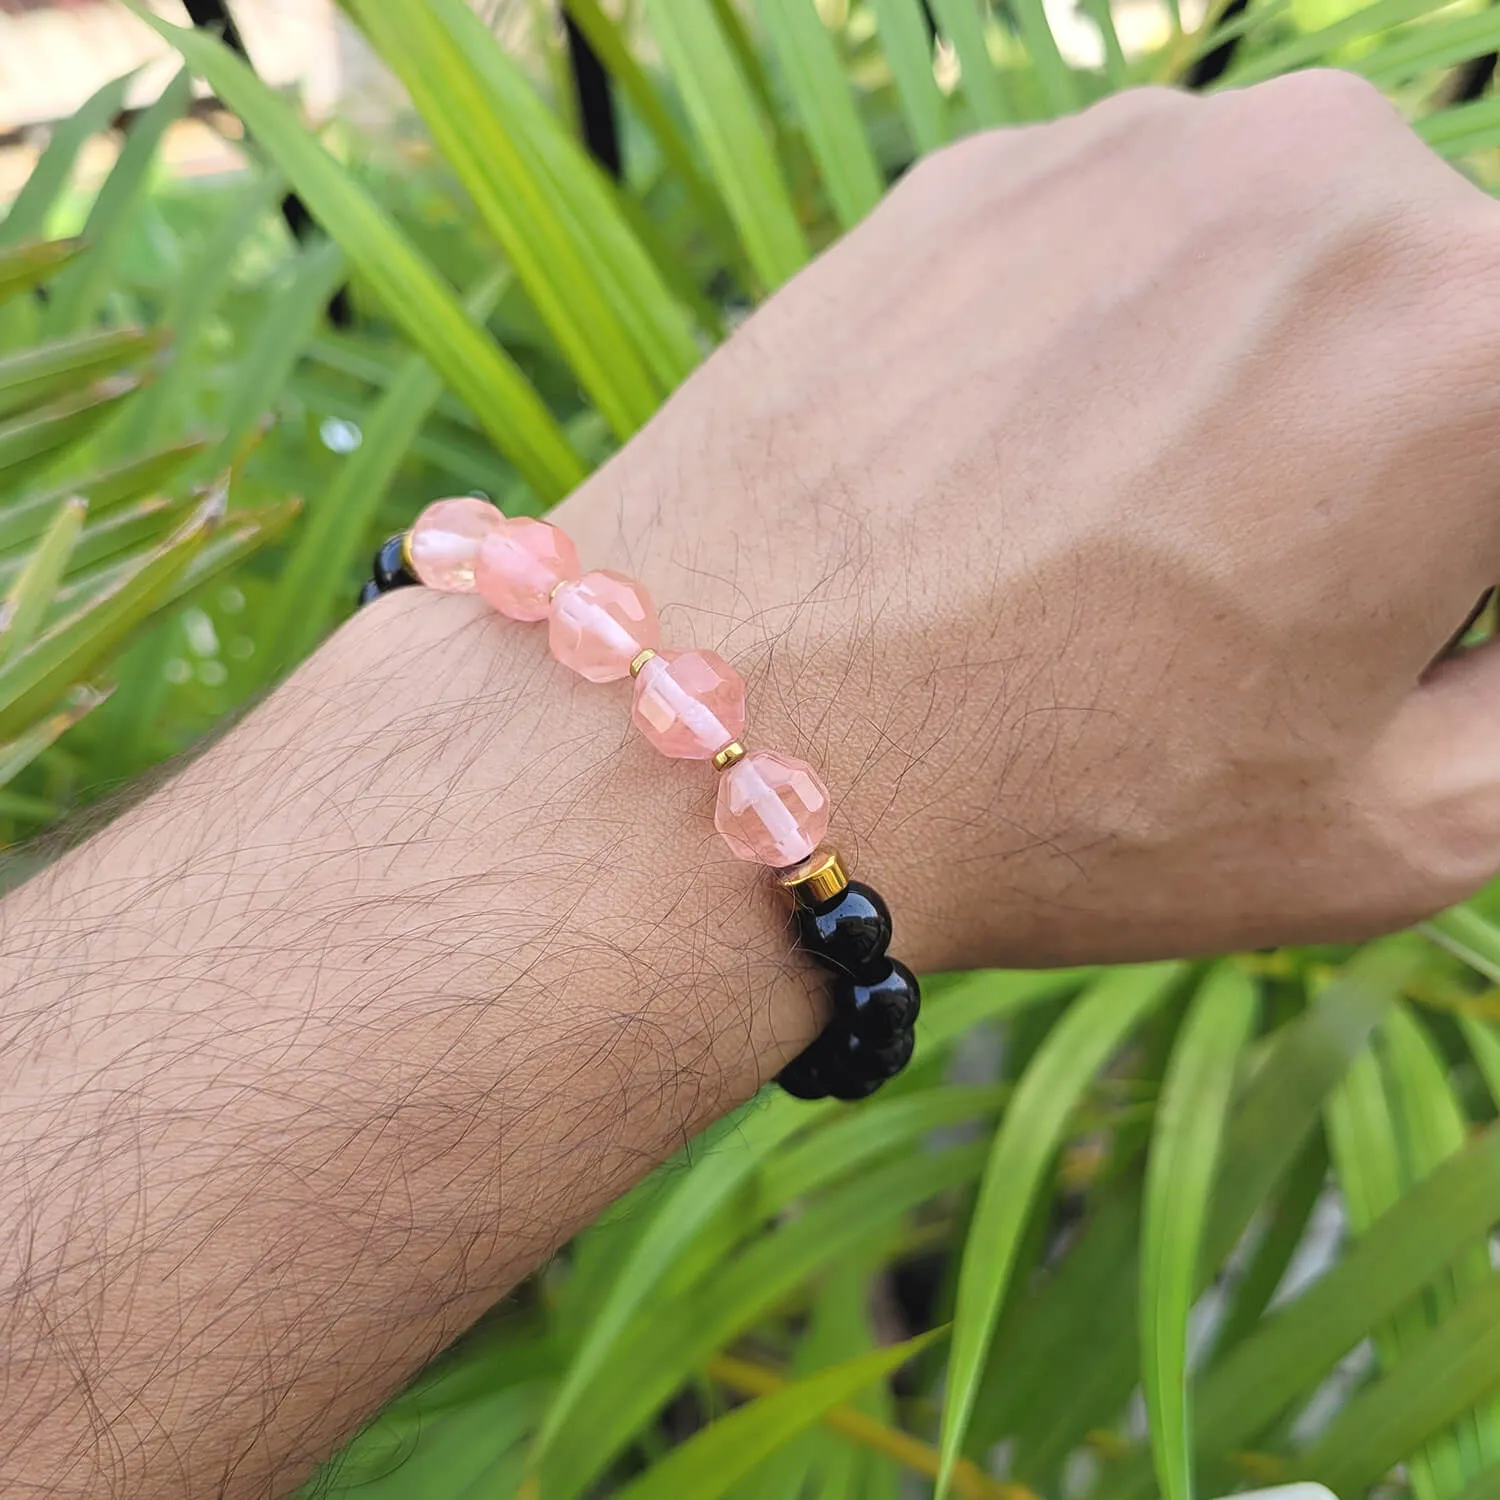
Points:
(601, 623)
(689, 704)
(444, 542)
(772, 809)
(520, 563)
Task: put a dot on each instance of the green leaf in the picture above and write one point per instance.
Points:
(29, 441)
(46, 371)
(681, 1215)
(1286, 1226)
(38, 676)
(1438, 44)
(1401, 1252)
(904, 38)
(669, 1341)
(1318, 46)
(190, 306)
(28, 215)
(719, 103)
(317, 571)
(474, 367)
(1076, 1048)
(79, 292)
(711, 1461)
(604, 36)
(1457, 132)
(19, 753)
(1116, 71)
(1095, 1292)
(26, 265)
(485, 140)
(1059, 88)
(1190, 1119)
(294, 312)
(32, 591)
(1439, 1378)
(1466, 934)
(27, 518)
(820, 95)
(964, 23)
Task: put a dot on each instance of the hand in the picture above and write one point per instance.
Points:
(1094, 514)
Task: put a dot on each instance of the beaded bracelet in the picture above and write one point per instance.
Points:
(771, 809)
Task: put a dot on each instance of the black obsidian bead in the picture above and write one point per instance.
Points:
(369, 592)
(390, 568)
(802, 1078)
(848, 933)
(877, 1010)
(854, 1068)
(845, 1065)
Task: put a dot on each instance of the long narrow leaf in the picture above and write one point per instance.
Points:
(28, 215)
(820, 95)
(32, 591)
(907, 45)
(963, 23)
(426, 307)
(46, 371)
(1067, 1061)
(718, 102)
(79, 292)
(1184, 1152)
(488, 153)
(711, 1461)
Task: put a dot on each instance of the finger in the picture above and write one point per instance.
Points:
(1434, 782)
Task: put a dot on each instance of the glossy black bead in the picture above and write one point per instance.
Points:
(390, 566)
(845, 1065)
(848, 933)
(369, 593)
(802, 1078)
(877, 1010)
(854, 1068)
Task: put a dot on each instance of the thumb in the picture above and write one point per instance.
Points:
(1435, 781)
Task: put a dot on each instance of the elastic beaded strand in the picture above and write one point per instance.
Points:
(770, 808)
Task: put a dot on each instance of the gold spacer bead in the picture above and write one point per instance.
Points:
(639, 660)
(818, 878)
(552, 592)
(726, 757)
(406, 553)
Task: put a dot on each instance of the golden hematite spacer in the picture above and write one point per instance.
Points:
(406, 553)
(639, 660)
(819, 878)
(726, 757)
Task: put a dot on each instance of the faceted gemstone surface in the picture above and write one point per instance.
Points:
(445, 542)
(520, 562)
(601, 623)
(772, 808)
(689, 704)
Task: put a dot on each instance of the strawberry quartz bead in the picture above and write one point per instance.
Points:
(445, 540)
(600, 624)
(520, 563)
(689, 704)
(772, 809)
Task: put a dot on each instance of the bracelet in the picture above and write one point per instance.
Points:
(771, 809)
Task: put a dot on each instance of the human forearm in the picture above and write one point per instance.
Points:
(313, 1054)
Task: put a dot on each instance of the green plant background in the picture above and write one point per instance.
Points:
(1163, 1229)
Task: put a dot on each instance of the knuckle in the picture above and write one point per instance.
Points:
(1325, 98)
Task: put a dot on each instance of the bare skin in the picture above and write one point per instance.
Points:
(1092, 516)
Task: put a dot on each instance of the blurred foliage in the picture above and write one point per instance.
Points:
(1164, 1229)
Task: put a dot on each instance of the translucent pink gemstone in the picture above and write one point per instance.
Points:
(772, 809)
(601, 623)
(520, 562)
(444, 542)
(689, 704)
